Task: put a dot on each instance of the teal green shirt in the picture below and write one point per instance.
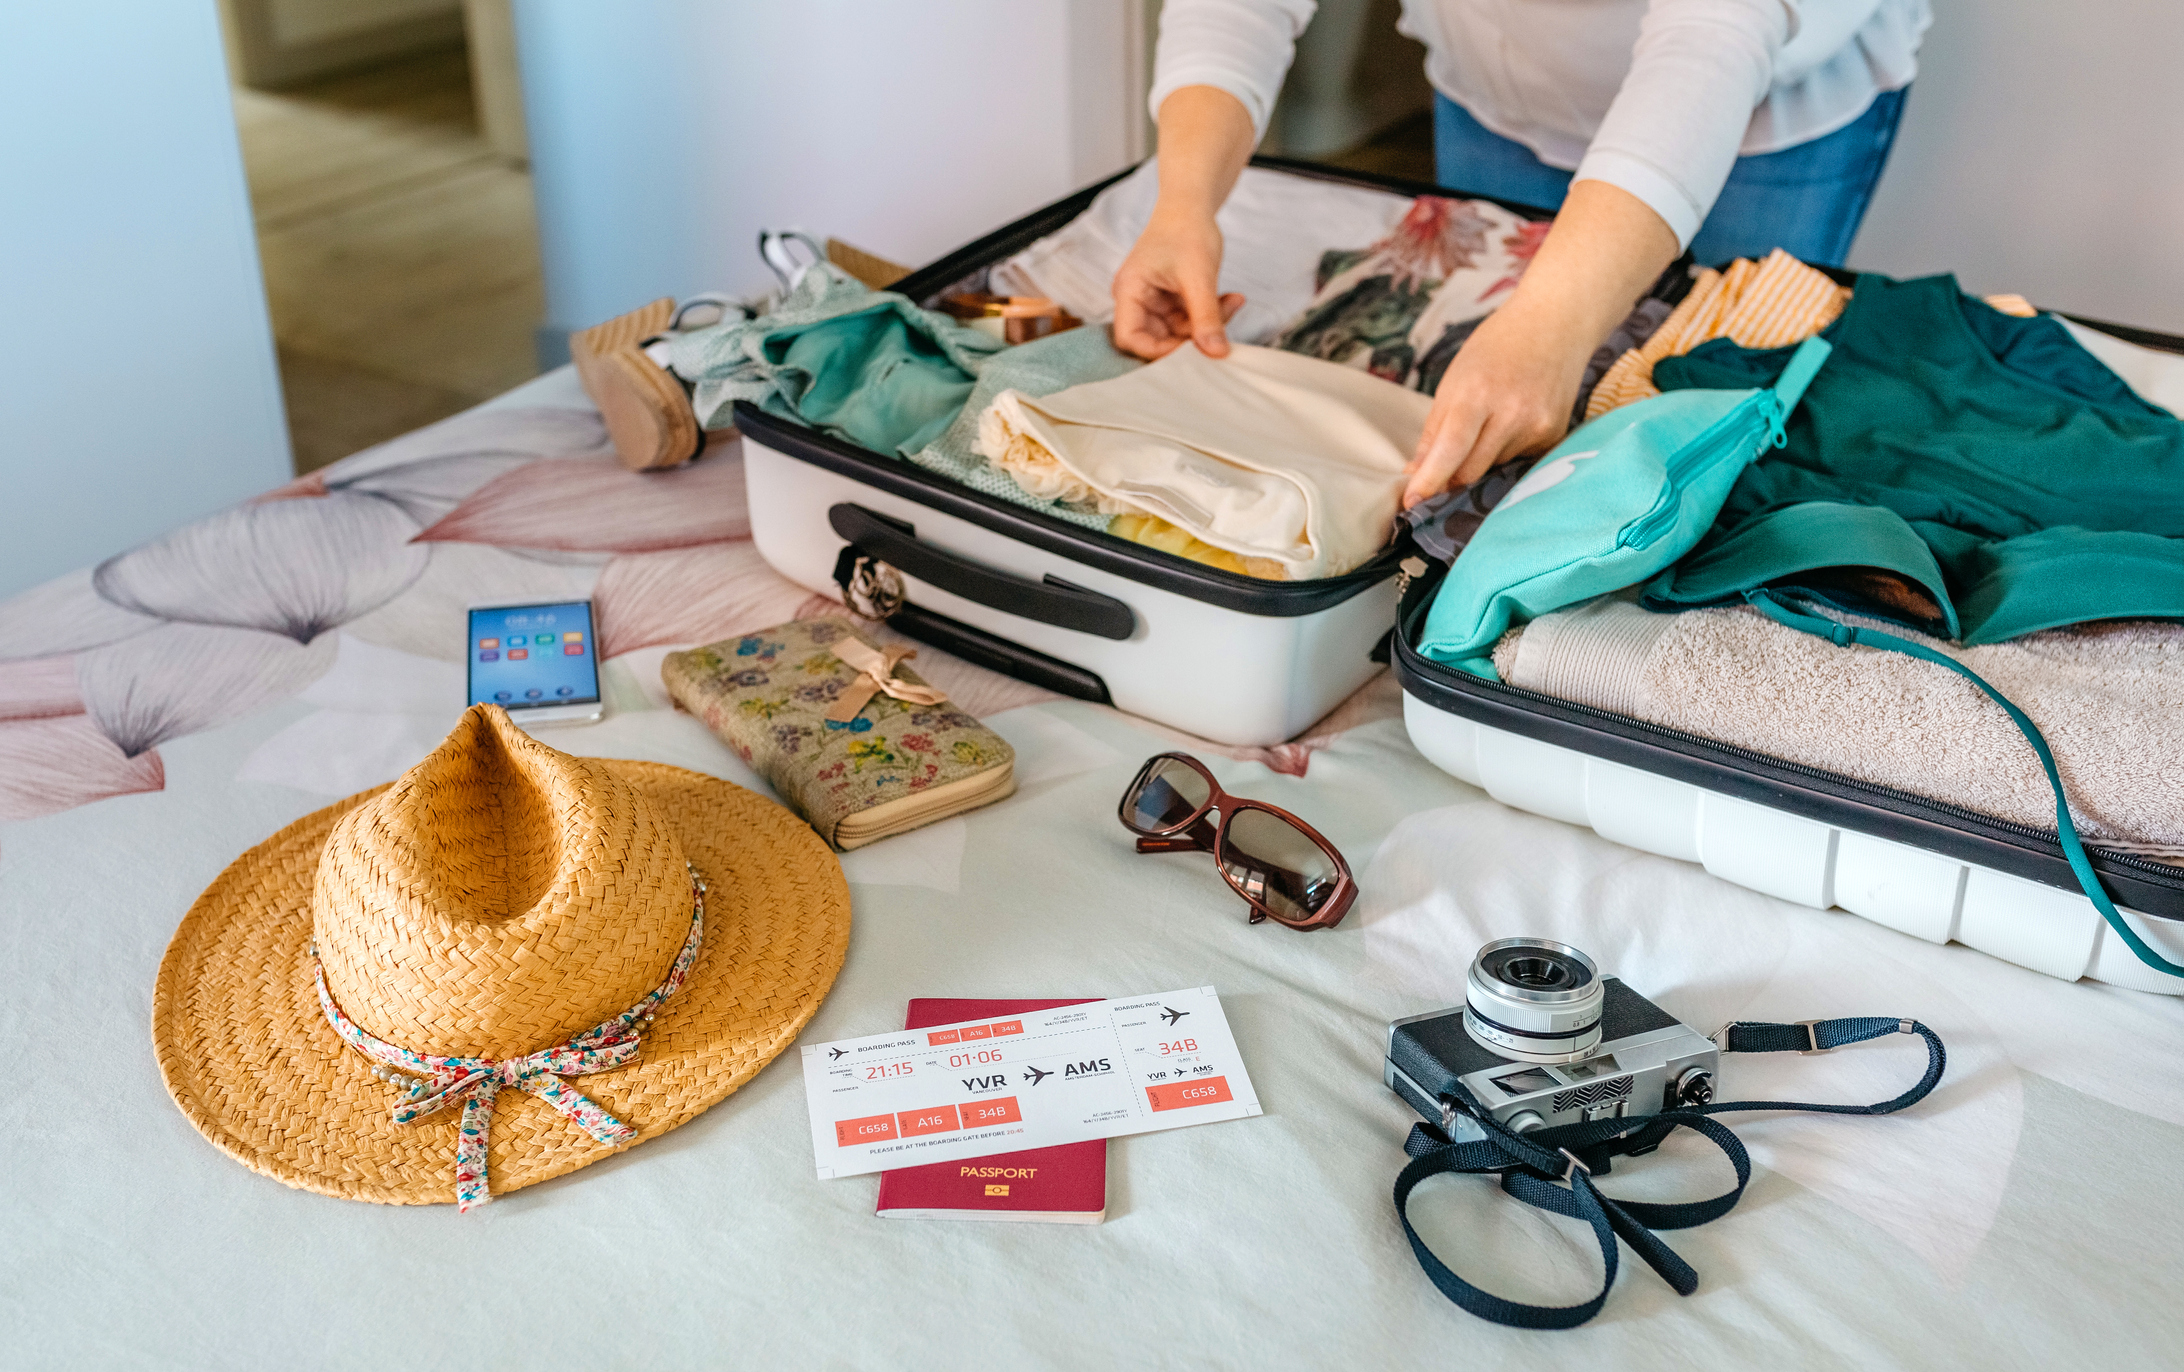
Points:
(1989, 459)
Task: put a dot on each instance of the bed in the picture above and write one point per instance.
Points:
(168, 709)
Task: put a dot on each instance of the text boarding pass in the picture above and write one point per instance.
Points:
(1090, 1071)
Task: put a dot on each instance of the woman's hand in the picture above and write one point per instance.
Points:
(1510, 389)
(1507, 393)
(1164, 290)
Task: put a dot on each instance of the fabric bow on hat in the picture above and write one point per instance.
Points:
(434, 1083)
(875, 674)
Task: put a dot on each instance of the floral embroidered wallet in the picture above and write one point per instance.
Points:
(893, 765)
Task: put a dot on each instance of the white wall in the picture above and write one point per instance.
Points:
(666, 133)
(137, 382)
(2042, 152)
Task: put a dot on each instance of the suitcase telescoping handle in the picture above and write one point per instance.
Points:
(1052, 601)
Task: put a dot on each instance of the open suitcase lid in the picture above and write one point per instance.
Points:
(1120, 557)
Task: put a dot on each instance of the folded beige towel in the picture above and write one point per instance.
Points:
(1270, 455)
(2109, 697)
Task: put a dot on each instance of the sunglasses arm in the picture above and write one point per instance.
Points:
(1171, 845)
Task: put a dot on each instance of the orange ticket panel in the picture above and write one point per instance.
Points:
(941, 1119)
(945, 1036)
(1175, 1095)
(977, 1031)
(978, 1114)
(870, 1129)
(1007, 1027)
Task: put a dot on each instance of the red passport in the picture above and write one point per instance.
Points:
(1061, 1185)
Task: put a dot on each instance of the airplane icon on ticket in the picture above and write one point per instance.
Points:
(839, 1053)
(1035, 1076)
(1172, 1015)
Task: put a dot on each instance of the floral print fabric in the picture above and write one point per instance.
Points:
(1401, 308)
(431, 1084)
(767, 696)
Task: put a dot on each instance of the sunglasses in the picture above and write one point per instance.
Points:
(1279, 864)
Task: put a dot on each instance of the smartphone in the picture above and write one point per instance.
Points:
(538, 662)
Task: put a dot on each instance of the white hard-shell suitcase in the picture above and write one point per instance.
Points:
(1931, 870)
(1230, 658)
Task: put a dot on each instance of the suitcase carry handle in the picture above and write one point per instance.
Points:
(1052, 601)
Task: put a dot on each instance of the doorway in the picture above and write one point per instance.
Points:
(393, 210)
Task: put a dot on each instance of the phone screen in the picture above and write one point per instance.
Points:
(523, 657)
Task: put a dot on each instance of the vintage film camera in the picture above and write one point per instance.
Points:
(1542, 1040)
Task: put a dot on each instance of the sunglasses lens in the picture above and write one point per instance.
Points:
(1170, 793)
(1278, 865)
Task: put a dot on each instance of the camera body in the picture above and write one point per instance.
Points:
(1604, 1050)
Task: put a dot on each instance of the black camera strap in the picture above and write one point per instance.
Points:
(1553, 1169)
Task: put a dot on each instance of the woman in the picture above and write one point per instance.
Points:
(1729, 126)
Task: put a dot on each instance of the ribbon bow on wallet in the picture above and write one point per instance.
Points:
(875, 674)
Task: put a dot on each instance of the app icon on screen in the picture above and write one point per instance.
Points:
(564, 690)
(489, 656)
(572, 637)
(504, 695)
(545, 638)
(489, 643)
(572, 650)
(518, 654)
(533, 694)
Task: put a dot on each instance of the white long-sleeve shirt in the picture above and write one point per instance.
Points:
(1658, 97)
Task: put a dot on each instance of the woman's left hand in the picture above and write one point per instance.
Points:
(1507, 393)
(1510, 388)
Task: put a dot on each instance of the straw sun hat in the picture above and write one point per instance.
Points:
(506, 965)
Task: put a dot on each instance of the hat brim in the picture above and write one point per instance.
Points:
(251, 1061)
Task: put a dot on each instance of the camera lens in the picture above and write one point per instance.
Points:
(1541, 974)
(1534, 1000)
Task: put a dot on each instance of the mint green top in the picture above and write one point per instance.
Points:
(1990, 459)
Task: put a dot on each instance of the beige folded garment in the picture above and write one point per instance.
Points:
(2109, 697)
(1273, 456)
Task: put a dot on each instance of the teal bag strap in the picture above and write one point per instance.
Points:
(1844, 635)
(1789, 387)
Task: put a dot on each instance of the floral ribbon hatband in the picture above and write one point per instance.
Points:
(432, 1084)
(876, 673)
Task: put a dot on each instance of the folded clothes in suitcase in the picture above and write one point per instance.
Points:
(1045, 595)
(1684, 735)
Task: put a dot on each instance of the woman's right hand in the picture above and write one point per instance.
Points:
(1165, 292)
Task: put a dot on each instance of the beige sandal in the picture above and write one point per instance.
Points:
(648, 413)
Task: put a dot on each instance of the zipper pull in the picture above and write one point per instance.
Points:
(1777, 436)
(1407, 571)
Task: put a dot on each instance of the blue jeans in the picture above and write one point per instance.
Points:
(1808, 199)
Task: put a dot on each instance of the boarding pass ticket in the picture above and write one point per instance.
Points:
(1090, 1071)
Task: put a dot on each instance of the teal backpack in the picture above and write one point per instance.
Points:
(1614, 503)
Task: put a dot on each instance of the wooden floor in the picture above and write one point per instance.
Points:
(401, 255)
